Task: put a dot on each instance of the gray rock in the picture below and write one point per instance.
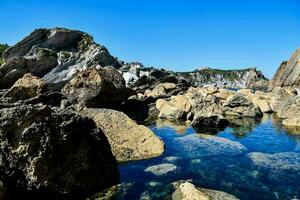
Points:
(162, 169)
(239, 105)
(209, 123)
(55, 55)
(196, 145)
(277, 161)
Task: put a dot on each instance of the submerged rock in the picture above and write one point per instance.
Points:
(52, 153)
(162, 169)
(277, 161)
(187, 191)
(195, 146)
(129, 141)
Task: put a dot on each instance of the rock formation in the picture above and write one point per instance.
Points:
(288, 74)
(47, 152)
(55, 55)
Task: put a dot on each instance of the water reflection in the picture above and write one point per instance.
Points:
(240, 127)
(179, 126)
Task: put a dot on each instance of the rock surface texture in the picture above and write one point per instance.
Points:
(55, 55)
(288, 74)
(129, 141)
(51, 153)
(97, 87)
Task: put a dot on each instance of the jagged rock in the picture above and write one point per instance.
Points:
(277, 96)
(26, 87)
(262, 103)
(187, 191)
(128, 140)
(240, 105)
(162, 169)
(288, 74)
(52, 154)
(209, 123)
(55, 55)
(97, 87)
(168, 110)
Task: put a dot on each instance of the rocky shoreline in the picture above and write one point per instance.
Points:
(71, 112)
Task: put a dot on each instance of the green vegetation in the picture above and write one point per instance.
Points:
(3, 47)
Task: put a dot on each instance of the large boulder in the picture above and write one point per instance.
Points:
(50, 153)
(129, 141)
(209, 123)
(241, 106)
(188, 191)
(161, 90)
(55, 55)
(26, 87)
(97, 87)
(181, 102)
(168, 111)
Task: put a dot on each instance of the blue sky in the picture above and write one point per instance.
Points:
(181, 35)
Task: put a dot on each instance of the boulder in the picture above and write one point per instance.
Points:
(223, 94)
(209, 123)
(128, 140)
(160, 90)
(240, 105)
(162, 169)
(262, 103)
(168, 110)
(53, 154)
(55, 55)
(294, 121)
(25, 88)
(277, 96)
(97, 87)
(181, 102)
(197, 145)
(188, 191)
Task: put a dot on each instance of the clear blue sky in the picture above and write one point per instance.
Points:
(181, 35)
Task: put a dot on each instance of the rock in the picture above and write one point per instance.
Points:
(168, 110)
(128, 140)
(161, 169)
(240, 105)
(277, 96)
(289, 108)
(223, 94)
(262, 103)
(55, 55)
(160, 90)
(288, 74)
(196, 145)
(101, 87)
(209, 123)
(25, 88)
(54, 153)
(181, 102)
(187, 191)
(295, 121)
(277, 161)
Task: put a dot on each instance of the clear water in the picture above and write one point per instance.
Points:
(214, 166)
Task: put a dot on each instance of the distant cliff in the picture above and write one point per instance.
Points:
(288, 74)
(244, 78)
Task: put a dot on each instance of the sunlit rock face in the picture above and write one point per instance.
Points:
(55, 55)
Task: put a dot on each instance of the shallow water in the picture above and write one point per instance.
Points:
(221, 162)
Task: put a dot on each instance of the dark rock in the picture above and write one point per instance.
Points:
(53, 154)
(209, 123)
(97, 87)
